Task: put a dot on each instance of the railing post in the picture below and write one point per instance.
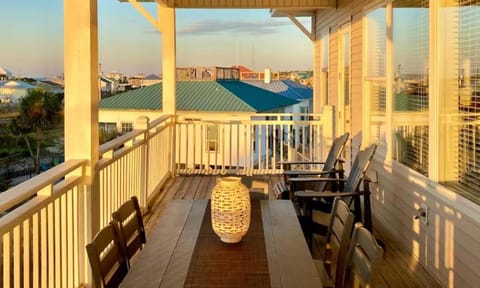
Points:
(328, 125)
(142, 123)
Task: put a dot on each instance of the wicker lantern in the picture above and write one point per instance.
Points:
(230, 209)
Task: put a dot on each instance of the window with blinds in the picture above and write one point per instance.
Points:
(375, 80)
(410, 92)
(463, 72)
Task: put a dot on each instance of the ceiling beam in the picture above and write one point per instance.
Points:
(310, 34)
(155, 23)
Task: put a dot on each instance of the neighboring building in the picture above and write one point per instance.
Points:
(108, 86)
(5, 74)
(206, 101)
(115, 76)
(302, 77)
(51, 86)
(136, 80)
(14, 90)
(150, 80)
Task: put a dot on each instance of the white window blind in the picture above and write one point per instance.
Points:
(410, 95)
(468, 161)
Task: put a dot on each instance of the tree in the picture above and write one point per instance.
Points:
(38, 111)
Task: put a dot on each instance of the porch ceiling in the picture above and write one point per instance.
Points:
(295, 12)
(301, 6)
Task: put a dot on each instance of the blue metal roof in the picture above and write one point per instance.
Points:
(286, 88)
(17, 84)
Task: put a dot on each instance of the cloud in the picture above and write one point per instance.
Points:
(213, 26)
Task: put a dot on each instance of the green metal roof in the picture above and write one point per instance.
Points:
(222, 96)
(262, 100)
(145, 98)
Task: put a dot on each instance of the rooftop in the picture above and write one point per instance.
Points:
(218, 96)
(287, 88)
(17, 84)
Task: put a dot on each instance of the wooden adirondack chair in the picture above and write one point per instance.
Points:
(316, 206)
(286, 189)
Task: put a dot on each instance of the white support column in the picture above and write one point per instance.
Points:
(435, 130)
(167, 26)
(389, 83)
(82, 97)
(318, 84)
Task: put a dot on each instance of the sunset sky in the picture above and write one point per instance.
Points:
(32, 39)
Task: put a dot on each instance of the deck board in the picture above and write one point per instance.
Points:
(399, 269)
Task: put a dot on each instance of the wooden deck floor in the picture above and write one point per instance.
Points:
(396, 269)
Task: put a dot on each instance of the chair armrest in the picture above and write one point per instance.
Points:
(315, 179)
(306, 172)
(300, 162)
(316, 194)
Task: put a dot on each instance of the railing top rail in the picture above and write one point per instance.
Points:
(257, 118)
(117, 142)
(36, 203)
(159, 120)
(27, 189)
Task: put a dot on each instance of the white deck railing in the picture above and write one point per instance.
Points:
(48, 219)
(250, 144)
(43, 233)
(135, 164)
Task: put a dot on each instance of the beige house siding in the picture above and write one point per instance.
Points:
(449, 246)
(356, 85)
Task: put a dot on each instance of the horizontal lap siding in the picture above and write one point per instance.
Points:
(333, 19)
(356, 80)
(449, 246)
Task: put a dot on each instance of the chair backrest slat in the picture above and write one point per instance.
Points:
(363, 256)
(129, 219)
(107, 258)
(359, 168)
(338, 238)
(332, 158)
(335, 152)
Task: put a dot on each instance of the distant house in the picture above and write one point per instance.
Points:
(5, 74)
(108, 86)
(51, 86)
(115, 76)
(303, 77)
(150, 80)
(205, 102)
(202, 99)
(14, 90)
(136, 80)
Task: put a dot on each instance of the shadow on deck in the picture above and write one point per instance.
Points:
(399, 268)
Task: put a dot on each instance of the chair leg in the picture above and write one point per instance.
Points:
(357, 206)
